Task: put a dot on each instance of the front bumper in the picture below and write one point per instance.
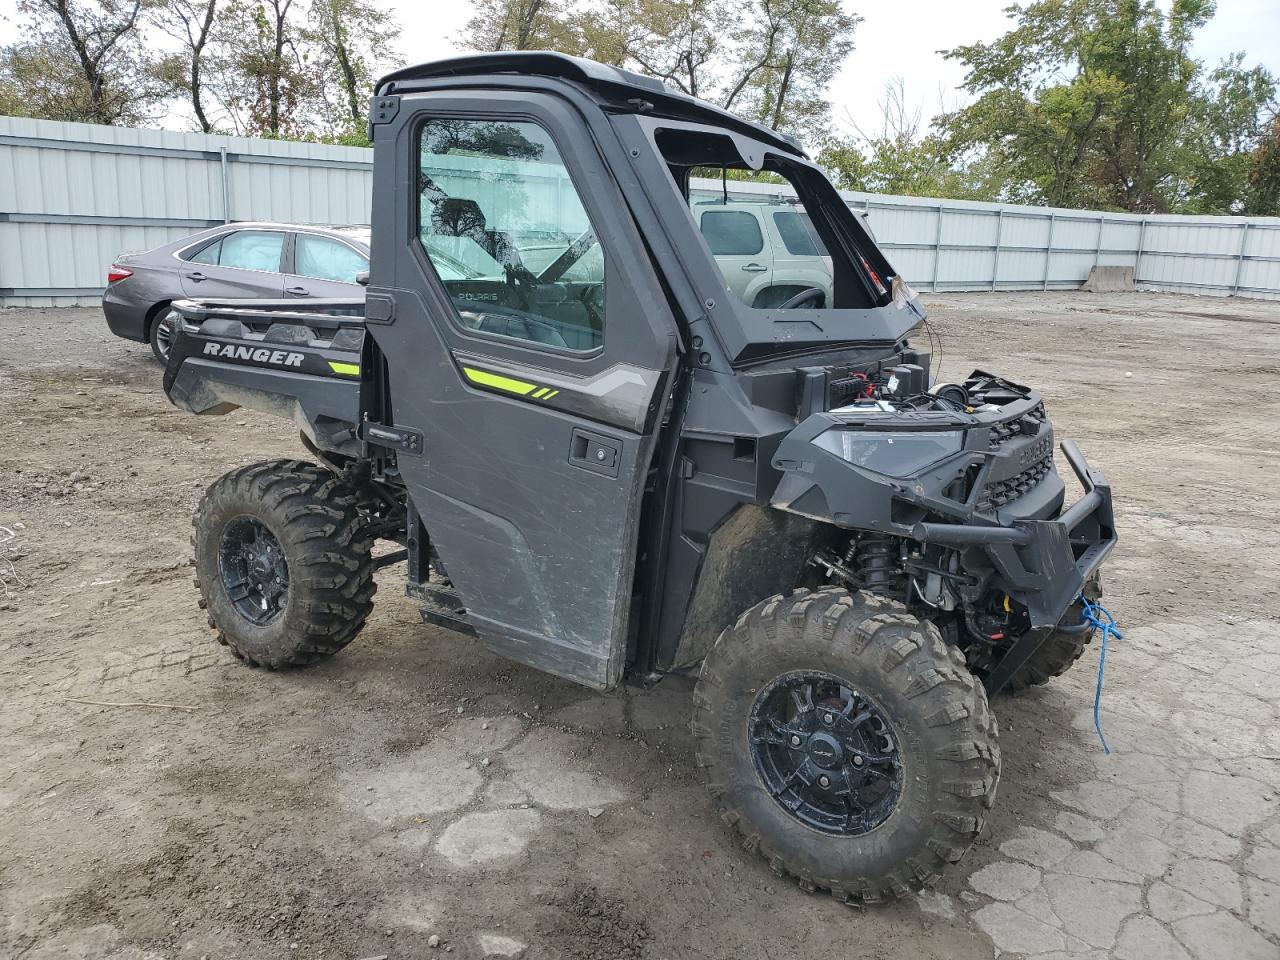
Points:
(1044, 563)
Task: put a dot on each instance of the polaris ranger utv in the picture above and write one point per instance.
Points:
(594, 457)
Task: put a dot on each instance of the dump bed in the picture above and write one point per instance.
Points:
(293, 359)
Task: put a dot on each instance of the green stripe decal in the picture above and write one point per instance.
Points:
(349, 369)
(486, 379)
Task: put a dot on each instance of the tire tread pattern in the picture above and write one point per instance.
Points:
(331, 569)
(912, 655)
(1056, 656)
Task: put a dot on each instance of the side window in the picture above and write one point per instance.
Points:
(209, 254)
(251, 250)
(326, 259)
(798, 235)
(732, 233)
(505, 229)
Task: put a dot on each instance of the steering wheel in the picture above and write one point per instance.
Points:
(813, 294)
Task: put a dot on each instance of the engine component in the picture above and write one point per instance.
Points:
(953, 393)
(877, 564)
(904, 381)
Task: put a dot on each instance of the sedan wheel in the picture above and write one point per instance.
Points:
(162, 331)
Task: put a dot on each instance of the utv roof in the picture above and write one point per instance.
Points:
(619, 86)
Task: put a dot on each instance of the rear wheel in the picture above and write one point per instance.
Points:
(284, 562)
(846, 742)
(160, 334)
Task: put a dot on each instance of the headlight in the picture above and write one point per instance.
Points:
(893, 454)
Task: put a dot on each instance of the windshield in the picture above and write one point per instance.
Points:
(775, 243)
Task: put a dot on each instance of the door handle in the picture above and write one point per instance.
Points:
(197, 276)
(755, 268)
(298, 292)
(595, 452)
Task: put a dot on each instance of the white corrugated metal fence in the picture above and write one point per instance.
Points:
(72, 196)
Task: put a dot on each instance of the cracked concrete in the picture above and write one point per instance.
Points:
(1162, 852)
(518, 771)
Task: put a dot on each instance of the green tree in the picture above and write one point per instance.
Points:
(1263, 198)
(351, 40)
(768, 60)
(265, 83)
(794, 49)
(1086, 100)
(80, 60)
(901, 158)
(1227, 125)
(191, 23)
(520, 25)
(1098, 103)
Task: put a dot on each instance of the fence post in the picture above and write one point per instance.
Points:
(1097, 252)
(1048, 253)
(226, 185)
(995, 263)
(1137, 261)
(1244, 239)
(937, 250)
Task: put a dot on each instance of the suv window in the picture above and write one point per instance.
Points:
(502, 224)
(798, 235)
(732, 233)
(324, 259)
(245, 250)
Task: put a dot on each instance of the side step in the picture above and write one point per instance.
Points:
(441, 607)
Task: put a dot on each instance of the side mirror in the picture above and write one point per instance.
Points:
(362, 278)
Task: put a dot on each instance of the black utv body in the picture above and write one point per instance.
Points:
(601, 461)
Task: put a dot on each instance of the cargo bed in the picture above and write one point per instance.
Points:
(299, 360)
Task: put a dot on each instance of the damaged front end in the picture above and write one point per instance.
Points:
(952, 503)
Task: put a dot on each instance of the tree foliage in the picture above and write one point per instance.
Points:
(1098, 103)
(521, 25)
(351, 40)
(80, 60)
(768, 60)
(901, 157)
(1081, 103)
(191, 23)
(276, 68)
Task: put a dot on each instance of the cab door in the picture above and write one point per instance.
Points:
(527, 341)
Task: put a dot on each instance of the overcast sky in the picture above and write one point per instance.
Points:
(900, 38)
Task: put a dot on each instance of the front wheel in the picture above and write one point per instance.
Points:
(846, 742)
(284, 562)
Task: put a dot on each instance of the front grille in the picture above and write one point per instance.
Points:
(1010, 429)
(1003, 492)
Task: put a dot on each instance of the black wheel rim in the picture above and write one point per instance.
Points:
(253, 568)
(826, 753)
(164, 336)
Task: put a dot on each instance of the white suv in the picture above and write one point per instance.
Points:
(768, 251)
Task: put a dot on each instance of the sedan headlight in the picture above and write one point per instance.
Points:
(893, 454)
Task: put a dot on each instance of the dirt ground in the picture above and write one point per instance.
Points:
(417, 787)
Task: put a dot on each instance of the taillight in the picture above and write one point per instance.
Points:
(117, 273)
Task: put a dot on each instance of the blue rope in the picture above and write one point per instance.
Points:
(1097, 616)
